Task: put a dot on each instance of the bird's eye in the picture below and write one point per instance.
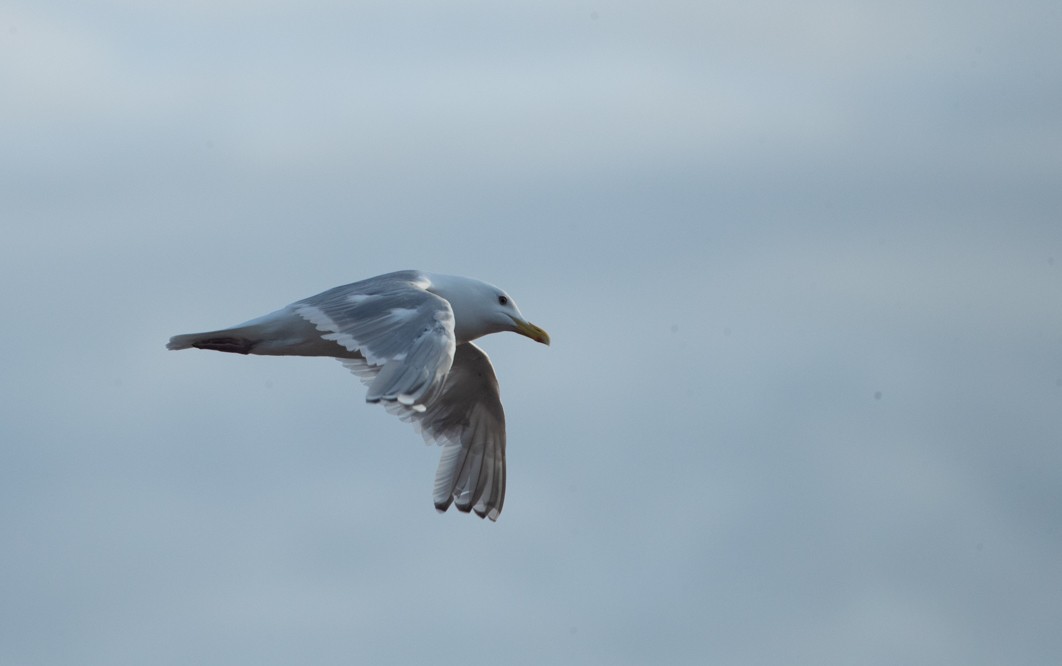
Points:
(504, 300)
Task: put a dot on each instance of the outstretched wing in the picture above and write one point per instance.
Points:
(404, 334)
(466, 418)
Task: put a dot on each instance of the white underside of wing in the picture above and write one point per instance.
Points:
(467, 421)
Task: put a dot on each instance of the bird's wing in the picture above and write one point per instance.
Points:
(466, 418)
(404, 335)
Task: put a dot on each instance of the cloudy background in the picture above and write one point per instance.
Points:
(802, 266)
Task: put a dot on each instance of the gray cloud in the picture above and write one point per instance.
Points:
(801, 267)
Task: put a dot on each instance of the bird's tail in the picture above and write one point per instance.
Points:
(232, 340)
(280, 333)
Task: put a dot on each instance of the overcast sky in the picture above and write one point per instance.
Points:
(801, 263)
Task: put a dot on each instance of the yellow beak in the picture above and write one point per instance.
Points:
(532, 331)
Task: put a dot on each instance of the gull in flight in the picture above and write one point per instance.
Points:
(408, 336)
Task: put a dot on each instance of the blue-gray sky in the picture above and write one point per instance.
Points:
(802, 266)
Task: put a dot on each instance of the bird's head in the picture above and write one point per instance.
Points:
(481, 308)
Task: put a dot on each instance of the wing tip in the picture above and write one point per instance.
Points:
(483, 512)
(442, 505)
(490, 512)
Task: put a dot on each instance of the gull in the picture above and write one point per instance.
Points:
(408, 336)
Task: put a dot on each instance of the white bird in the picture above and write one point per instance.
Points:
(408, 336)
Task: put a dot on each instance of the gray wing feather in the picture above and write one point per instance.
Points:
(403, 334)
(466, 418)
